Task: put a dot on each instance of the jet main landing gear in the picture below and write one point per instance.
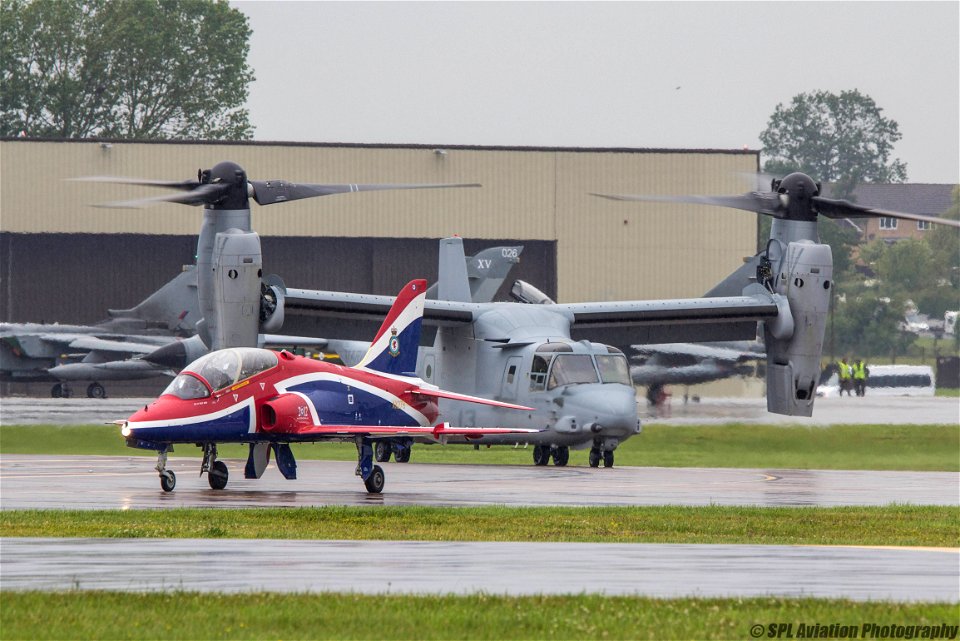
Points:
(217, 473)
(372, 475)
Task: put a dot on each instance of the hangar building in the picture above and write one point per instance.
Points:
(64, 260)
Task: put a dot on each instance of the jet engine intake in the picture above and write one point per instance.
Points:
(285, 414)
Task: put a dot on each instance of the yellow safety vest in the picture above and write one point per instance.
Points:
(860, 371)
(844, 371)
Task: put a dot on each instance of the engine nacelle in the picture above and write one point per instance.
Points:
(793, 357)
(285, 414)
(272, 295)
(238, 266)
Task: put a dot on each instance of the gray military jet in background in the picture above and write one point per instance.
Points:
(37, 352)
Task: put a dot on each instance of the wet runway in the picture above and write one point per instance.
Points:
(121, 482)
(106, 482)
(377, 567)
(827, 411)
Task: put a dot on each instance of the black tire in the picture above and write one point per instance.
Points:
(56, 391)
(375, 481)
(168, 480)
(381, 451)
(218, 475)
(561, 456)
(403, 456)
(608, 458)
(541, 454)
(95, 390)
(594, 457)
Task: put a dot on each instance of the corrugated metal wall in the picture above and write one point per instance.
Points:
(604, 250)
(75, 278)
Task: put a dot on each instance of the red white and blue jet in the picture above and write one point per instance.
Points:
(270, 400)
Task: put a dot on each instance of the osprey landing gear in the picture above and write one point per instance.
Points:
(372, 475)
(602, 451)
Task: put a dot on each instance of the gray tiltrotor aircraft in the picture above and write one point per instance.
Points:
(544, 356)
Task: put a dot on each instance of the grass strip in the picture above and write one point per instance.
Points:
(190, 615)
(933, 526)
(847, 447)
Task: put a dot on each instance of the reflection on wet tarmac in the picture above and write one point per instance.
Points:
(464, 567)
(116, 482)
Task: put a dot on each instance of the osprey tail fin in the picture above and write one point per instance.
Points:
(394, 349)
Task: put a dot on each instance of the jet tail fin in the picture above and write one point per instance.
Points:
(486, 272)
(394, 349)
(175, 305)
(453, 283)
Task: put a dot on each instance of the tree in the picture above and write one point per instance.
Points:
(841, 139)
(124, 69)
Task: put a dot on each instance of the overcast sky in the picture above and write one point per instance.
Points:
(599, 74)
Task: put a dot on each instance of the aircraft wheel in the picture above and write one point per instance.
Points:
(375, 481)
(541, 455)
(218, 475)
(561, 456)
(403, 456)
(381, 451)
(608, 458)
(168, 480)
(95, 390)
(594, 457)
(56, 391)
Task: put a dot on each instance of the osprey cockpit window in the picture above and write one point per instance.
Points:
(541, 364)
(613, 369)
(572, 369)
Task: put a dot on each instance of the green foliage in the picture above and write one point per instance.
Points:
(842, 139)
(867, 325)
(144, 69)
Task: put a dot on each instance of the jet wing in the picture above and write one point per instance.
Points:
(453, 396)
(94, 344)
(696, 351)
(437, 432)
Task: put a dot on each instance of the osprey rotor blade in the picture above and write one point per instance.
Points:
(268, 192)
(844, 209)
(761, 203)
(199, 195)
(183, 185)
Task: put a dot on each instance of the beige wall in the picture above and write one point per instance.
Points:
(606, 250)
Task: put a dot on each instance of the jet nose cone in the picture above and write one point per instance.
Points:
(172, 355)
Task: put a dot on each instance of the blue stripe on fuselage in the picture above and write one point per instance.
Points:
(232, 427)
(331, 402)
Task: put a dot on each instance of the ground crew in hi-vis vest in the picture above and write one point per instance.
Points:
(860, 373)
(845, 372)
